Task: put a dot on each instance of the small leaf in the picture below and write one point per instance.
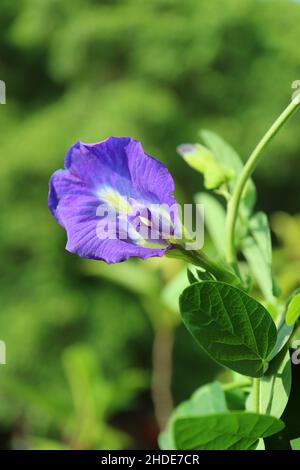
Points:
(232, 327)
(224, 431)
(257, 249)
(293, 311)
(260, 445)
(295, 444)
(215, 218)
(204, 275)
(222, 150)
(199, 275)
(283, 334)
(204, 161)
(191, 277)
(227, 156)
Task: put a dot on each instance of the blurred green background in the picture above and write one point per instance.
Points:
(93, 351)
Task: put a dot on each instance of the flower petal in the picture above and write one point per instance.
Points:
(79, 216)
(149, 176)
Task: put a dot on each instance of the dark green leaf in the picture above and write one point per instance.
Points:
(191, 277)
(204, 275)
(235, 329)
(199, 275)
(235, 399)
(224, 431)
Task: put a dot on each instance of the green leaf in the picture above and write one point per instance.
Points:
(235, 399)
(208, 399)
(257, 249)
(295, 444)
(290, 417)
(204, 161)
(232, 327)
(260, 445)
(215, 218)
(284, 332)
(204, 275)
(191, 277)
(293, 311)
(275, 387)
(224, 431)
(227, 156)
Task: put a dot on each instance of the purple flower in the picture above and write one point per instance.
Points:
(114, 201)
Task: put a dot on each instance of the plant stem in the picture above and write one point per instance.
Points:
(199, 258)
(256, 395)
(251, 164)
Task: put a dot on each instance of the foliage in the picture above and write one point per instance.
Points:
(235, 329)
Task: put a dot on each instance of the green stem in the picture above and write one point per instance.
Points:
(256, 395)
(198, 258)
(251, 164)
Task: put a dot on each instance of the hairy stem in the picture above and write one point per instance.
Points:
(251, 164)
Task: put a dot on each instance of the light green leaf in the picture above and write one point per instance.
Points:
(215, 218)
(208, 399)
(261, 445)
(224, 153)
(284, 332)
(204, 161)
(293, 311)
(227, 156)
(295, 444)
(275, 387)
(232, 327)
(224, 431)
(257, 249)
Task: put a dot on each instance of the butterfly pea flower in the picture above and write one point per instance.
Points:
(114, 201)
